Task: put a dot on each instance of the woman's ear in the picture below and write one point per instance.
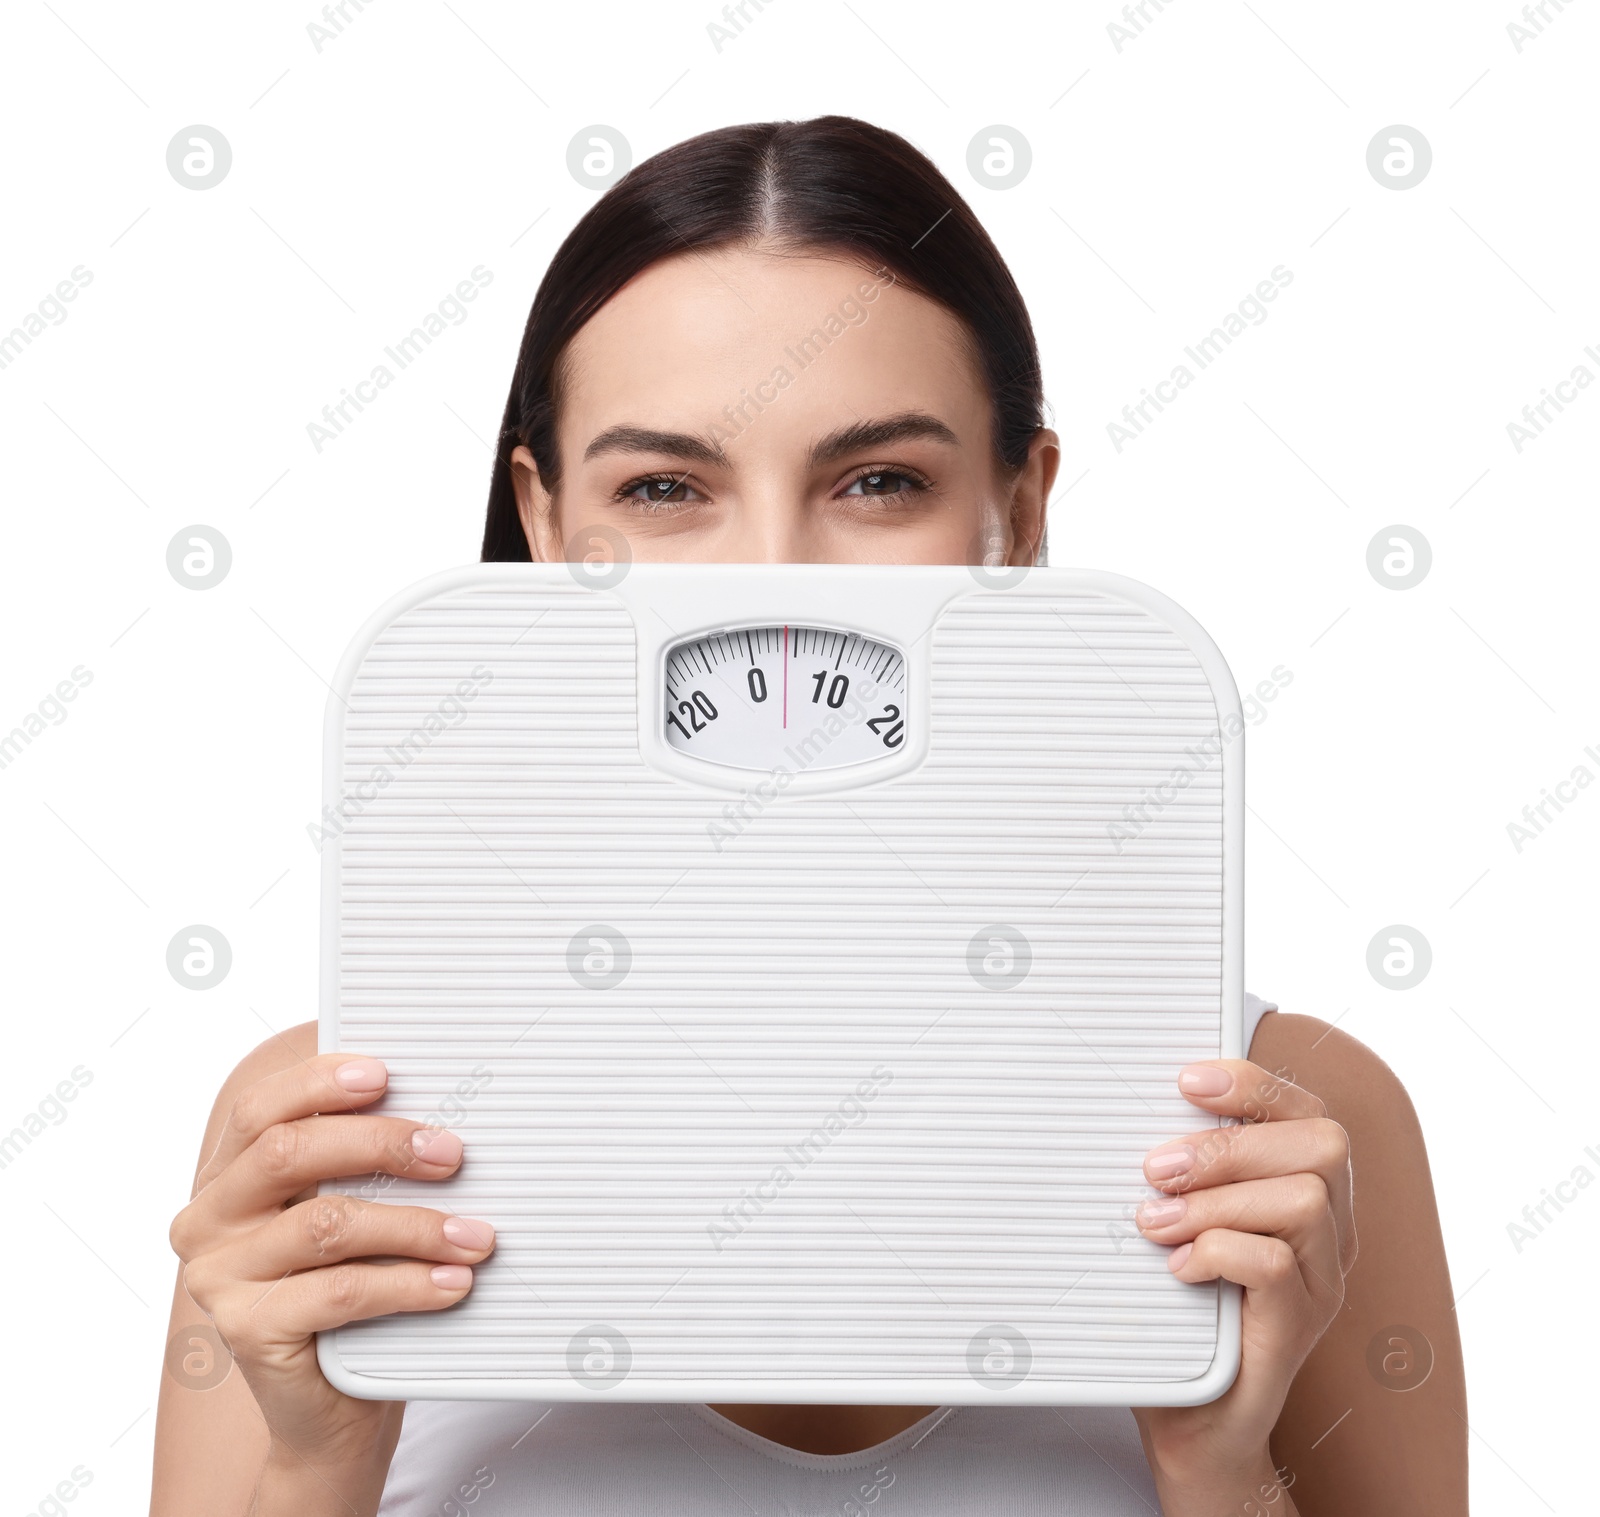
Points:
(1030, 496)
(536, 509)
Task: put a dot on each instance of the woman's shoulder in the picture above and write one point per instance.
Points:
(1320, 1057)
(1399, 1276)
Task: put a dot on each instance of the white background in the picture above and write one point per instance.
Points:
(1169, 177)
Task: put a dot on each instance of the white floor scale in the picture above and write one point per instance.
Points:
(805, 956)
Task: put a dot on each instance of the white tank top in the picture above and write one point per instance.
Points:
(528, 1459)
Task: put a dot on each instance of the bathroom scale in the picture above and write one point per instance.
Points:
(805, 955)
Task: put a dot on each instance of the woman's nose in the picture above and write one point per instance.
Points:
(773, 528)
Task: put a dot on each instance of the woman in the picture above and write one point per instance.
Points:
(793, 342)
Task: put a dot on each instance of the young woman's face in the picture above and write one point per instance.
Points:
(746, 407)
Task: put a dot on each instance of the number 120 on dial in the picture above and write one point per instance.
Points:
(785, 697)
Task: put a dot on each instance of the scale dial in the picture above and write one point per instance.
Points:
(785, 698)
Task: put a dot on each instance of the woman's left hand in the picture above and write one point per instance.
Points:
(1267, 1205)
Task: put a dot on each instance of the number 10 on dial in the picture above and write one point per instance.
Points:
(785, 697)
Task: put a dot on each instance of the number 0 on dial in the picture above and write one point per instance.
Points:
(785, 697)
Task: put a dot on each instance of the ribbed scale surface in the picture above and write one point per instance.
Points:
(627, 1141)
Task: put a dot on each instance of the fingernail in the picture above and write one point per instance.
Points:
(468, 1232)
(1163, 1212)
(361, 1074)
(451, 1277)
(1165, 1163)
(437, 1145)
(1204, 1080)
(1175, 1260)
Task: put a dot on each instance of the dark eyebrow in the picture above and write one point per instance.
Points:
(645, 440)
(880, 432)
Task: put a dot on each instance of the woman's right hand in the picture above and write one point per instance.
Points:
(272, 1263)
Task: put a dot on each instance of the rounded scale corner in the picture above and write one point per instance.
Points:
(342, 1378)
(367, 634)
(1212, 1385)
(1223, 685)
(1218, 1377)
(1182, 621)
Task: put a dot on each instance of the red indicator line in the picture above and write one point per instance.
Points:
(786, 678)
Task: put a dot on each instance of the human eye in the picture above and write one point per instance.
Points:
(880, 480)
(653, 491)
